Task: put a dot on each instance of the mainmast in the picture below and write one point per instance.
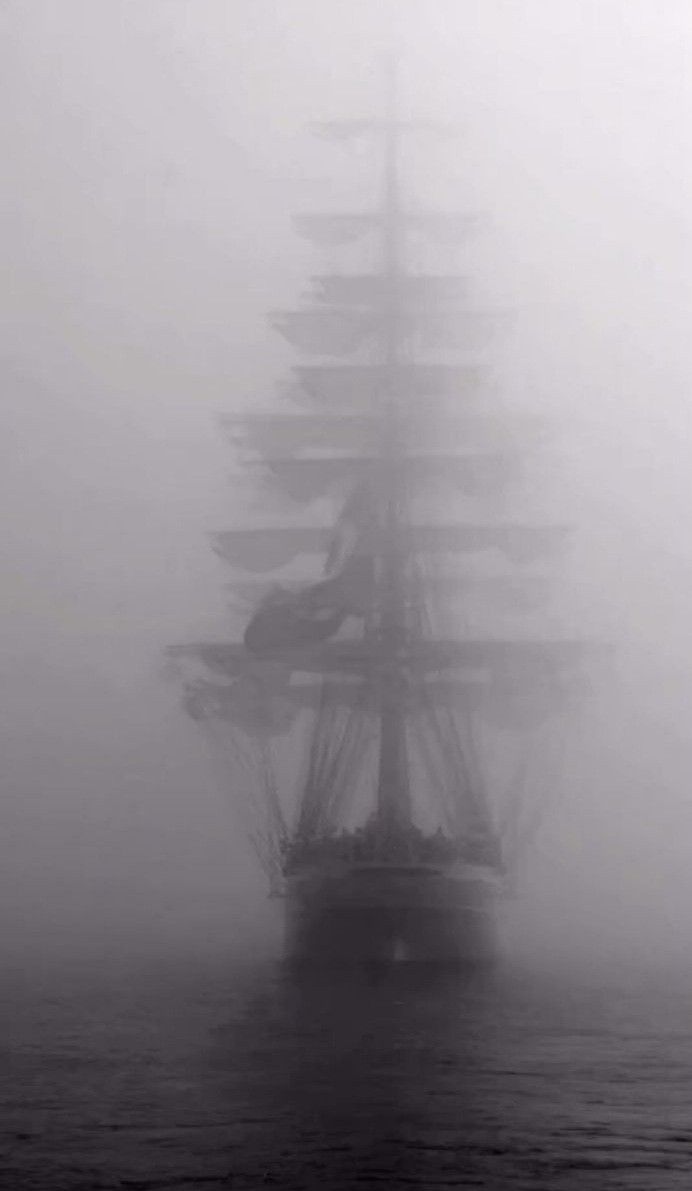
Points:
(391, 231)
(393, 802)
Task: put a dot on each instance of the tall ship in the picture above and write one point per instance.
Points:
(364, 715)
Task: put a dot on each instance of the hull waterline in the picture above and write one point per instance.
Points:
(388, 914)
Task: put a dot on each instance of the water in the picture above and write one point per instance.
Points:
(211, 1076)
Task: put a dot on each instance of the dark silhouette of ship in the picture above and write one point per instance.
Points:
(393, 851)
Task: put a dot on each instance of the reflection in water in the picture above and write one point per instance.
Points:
(491, 1080)
(249, 1079)
(365, 1075)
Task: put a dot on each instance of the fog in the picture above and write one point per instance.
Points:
(153, 156)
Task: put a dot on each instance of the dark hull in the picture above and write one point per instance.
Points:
(381, 915)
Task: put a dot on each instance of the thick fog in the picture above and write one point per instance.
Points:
(154, 154)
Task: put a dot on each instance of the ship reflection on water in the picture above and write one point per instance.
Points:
(371, 1075)
(388, 1077)
(402, 1077)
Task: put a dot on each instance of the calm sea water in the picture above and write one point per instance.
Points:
(213, 1076)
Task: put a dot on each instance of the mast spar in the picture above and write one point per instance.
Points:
(393, 800)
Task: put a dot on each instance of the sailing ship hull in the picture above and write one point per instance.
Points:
(379, 914)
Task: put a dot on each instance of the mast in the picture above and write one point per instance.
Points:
(393, 800)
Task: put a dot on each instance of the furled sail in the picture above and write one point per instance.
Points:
(265, 549)
(341, 332)
(471, 473)
(363, 384)
(327, 332)
(265, 707)
(500, 592)
(296, 433)
(417, 658)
